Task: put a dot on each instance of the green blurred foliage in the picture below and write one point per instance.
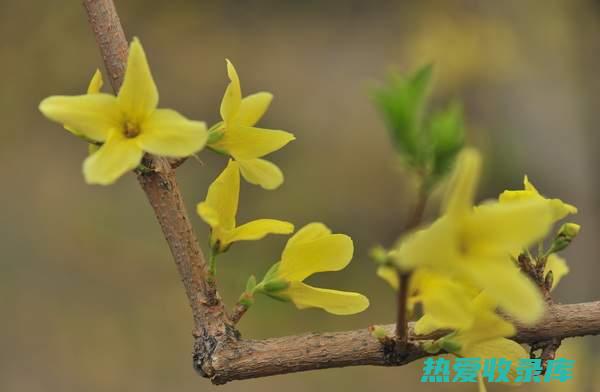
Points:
(428, 145)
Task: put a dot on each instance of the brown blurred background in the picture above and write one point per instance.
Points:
(89, 297)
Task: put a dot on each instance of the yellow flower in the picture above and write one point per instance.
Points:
(558, 266)
(128, 124)
(237, 135)
(560, 209)
(313, 249)
(220, 208)
(474, 244)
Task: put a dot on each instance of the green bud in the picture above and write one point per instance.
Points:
(250, 284)
(378, 332)
(565, 235)
(275, 285)
(379, 254)
(246, 299)
(450, 346)
(214, 136)
(432, 347)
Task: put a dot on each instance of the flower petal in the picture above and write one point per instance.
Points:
(558, 266)
(92, 115)
(514, 293)
(116, 157)
(258, 229)
(261, 172)
(459, 199)
(329, 253)
(208, 214)
(250, 142)
(252, 108)
(332, 301)
(509, 227)
(168, 133)
(308, 233)
(232, 99)
(447, 302)
(96, 83)
(138, 96)
(222, 198)
(390, 275)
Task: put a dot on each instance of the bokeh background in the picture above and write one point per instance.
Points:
(89, 297)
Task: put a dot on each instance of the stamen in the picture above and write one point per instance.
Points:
(131, 129)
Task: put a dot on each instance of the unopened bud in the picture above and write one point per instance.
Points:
(565, 235)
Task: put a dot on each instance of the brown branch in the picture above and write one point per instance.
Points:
(250, 359)
(163, 193)
(219, 353)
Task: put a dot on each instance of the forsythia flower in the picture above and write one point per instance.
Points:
(237, 135)
(128, 124)
(220, 208)
(474, 244)
(313, 249)
(559, 208)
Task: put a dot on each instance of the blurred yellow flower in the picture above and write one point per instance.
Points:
(558, 266)
(474, 244)
(313, 249)
(238, 137)
(560, 209)
(128, 124)
(220, 208)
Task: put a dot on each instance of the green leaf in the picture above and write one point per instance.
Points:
(402, 101)
(447, 137)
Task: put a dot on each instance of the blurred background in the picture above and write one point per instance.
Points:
(89, 296)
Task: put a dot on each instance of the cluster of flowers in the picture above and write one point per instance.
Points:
(120, 129)
(464, 265)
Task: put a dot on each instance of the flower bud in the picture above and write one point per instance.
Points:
(565, 235)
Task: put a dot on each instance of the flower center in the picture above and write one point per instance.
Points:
(131, 129)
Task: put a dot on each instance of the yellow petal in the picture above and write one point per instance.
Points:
(416, 250)
(232, 99)
(138, 96)
(168, 133)
(261, 172)
(447, 302)
(308, 233)
(116, 157)
(463, 185)
(208, 214)
(332, 301)
(528, 186)
(558, 266)
(96, 83)
(250, 142)
(222, 197)
(510, 227)
(329, 253)
(426, 325)
(514, 293)
(388, 274)
(258, 229)
(92, 115)
(252, 108)
(559, 208)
